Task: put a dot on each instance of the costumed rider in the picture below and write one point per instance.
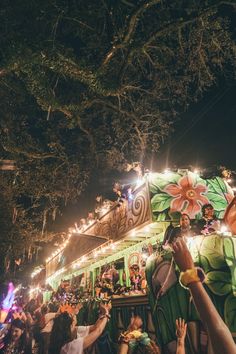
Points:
(209, 222)
(183, 230)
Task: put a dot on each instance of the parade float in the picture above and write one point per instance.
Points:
(119, 255)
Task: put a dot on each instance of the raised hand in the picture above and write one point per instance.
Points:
(135, 323)
(181, 329)
(182, 255)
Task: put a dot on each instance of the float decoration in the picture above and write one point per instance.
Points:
(174, 192)
(216, 255)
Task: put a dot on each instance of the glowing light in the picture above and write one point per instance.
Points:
(17, 289)
(36, 271)
(145, 256)
(189, 241)
(196, 171)
(223, 229)
(76, 265)
(113, 246)
(167, 172)
(139, 182)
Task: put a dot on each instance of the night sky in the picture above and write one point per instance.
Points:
(204, 137)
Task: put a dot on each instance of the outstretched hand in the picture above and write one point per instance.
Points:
(181, 329)
(182, 255)
(105, 308)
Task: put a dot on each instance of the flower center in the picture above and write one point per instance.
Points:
(191, 194)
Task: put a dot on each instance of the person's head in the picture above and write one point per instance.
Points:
(184, 221)
(18, 334)
(17, 329)
(61, 332)
(52, 307)
(208, 211)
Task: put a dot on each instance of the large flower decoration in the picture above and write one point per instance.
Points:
(187, 196)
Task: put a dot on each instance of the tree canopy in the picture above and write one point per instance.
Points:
(88, 86)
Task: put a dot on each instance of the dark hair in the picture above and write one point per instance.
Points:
(52, 307)
(184, 214)
(61, 333)
(24, 344)
(205, 206)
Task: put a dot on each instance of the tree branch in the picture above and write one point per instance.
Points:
(133, 22)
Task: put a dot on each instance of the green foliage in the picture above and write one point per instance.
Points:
(230, 256)
(212, 248)
(160, 202)
(219, 282)
(230, 312)
(158, 181)
(217, 194)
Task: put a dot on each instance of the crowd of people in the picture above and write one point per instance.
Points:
(52, 328)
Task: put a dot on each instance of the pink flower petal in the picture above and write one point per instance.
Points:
(177, 204)
(192, 209)
(229, 197)
(200, 188)
(173, 190)
(203, 200)
(186, 182)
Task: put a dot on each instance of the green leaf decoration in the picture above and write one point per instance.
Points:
(219, 203)
(230, 257)
(217, 185)
(204, 264)
(230, 312)
(212, 248)
(161, 217)
(158, 181)
(220, 214)
(160, 202)
(229, 250)
(219, 282)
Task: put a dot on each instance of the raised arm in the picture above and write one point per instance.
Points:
(218, 332)
(92, 337)
(98, 328)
